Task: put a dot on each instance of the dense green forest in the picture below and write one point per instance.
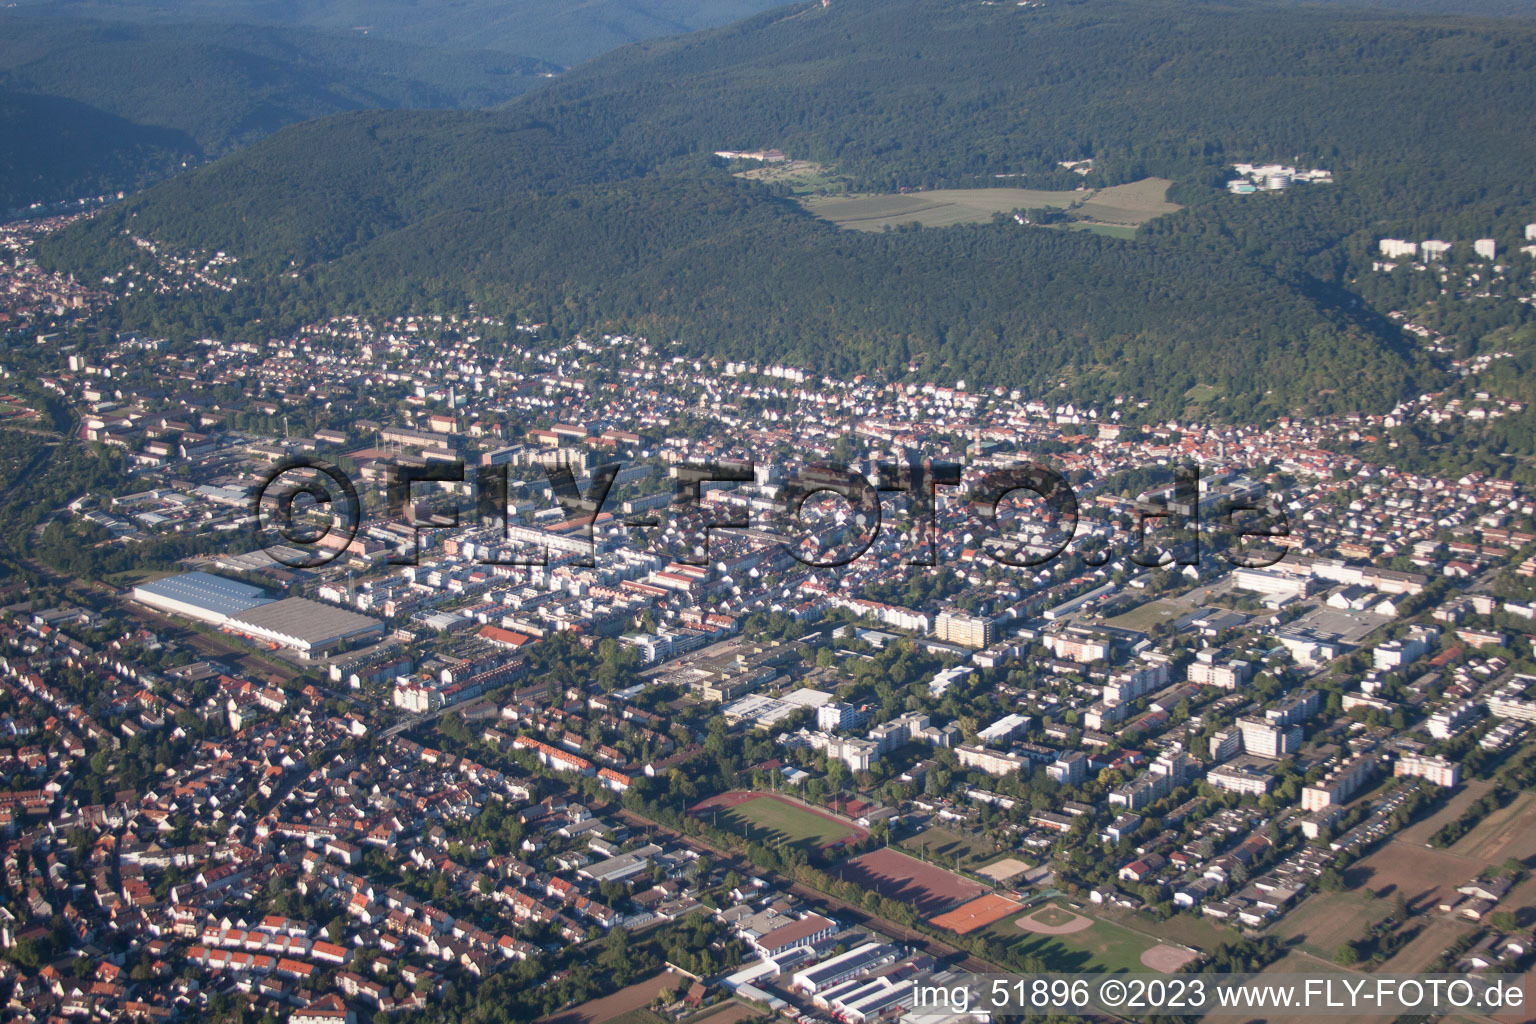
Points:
(595, 201)
(72, 149)
(95, 106)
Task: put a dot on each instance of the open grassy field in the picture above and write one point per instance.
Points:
(935, 208)
(802, 176)
(1422, 875)
(1144, 617)
(1130, 204)
(1508, 832)
(1419, 832)
(1117, 210)
(940, 844)
(1202, 933)
(626, 1006)
(1425, 947)
(1298, 962)
(1327, 920)
(1125, 231)
(1101, 947)
(772, 819)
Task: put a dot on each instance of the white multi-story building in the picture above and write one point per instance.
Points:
(1338, 785)
(1228, 675)
(1510, 701)
(1264, 738)
(1069, 769)
(990, 761)
(1449, 720)
(1397, 653)
(1433, 769)
(1246, 779)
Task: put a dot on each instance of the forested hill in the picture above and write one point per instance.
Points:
(564, 31)
(595, 200)
(102, 106)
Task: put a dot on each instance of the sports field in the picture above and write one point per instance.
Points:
(1072, 941)
(1117, 210)
(936, 843)
(897, 876)
(1004, 870)
(772, 819)
(978, 913)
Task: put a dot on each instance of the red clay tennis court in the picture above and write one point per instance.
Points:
(978, 913)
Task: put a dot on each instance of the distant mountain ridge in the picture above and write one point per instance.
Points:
(596, 200)
(189, 92)
(565, 32)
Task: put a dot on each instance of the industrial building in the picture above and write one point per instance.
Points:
(302, 625)
(202, 596)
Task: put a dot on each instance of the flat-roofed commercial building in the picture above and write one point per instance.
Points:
(201, 595)
(306, 626)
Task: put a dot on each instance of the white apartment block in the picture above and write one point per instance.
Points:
(1245, 779)
(1338, 785)
(1228, 675)
(990, 761)
(1449, 720)
(1434, 769)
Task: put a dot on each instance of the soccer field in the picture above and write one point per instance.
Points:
(773, 819)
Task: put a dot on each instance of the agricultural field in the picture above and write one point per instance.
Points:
(728, 1012)
(897, 876)
(1129, 205)
(771, 819)
(936, 208)
(1117, 210)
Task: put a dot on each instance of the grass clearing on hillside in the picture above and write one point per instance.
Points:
(803, 177)
(1116, 211)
